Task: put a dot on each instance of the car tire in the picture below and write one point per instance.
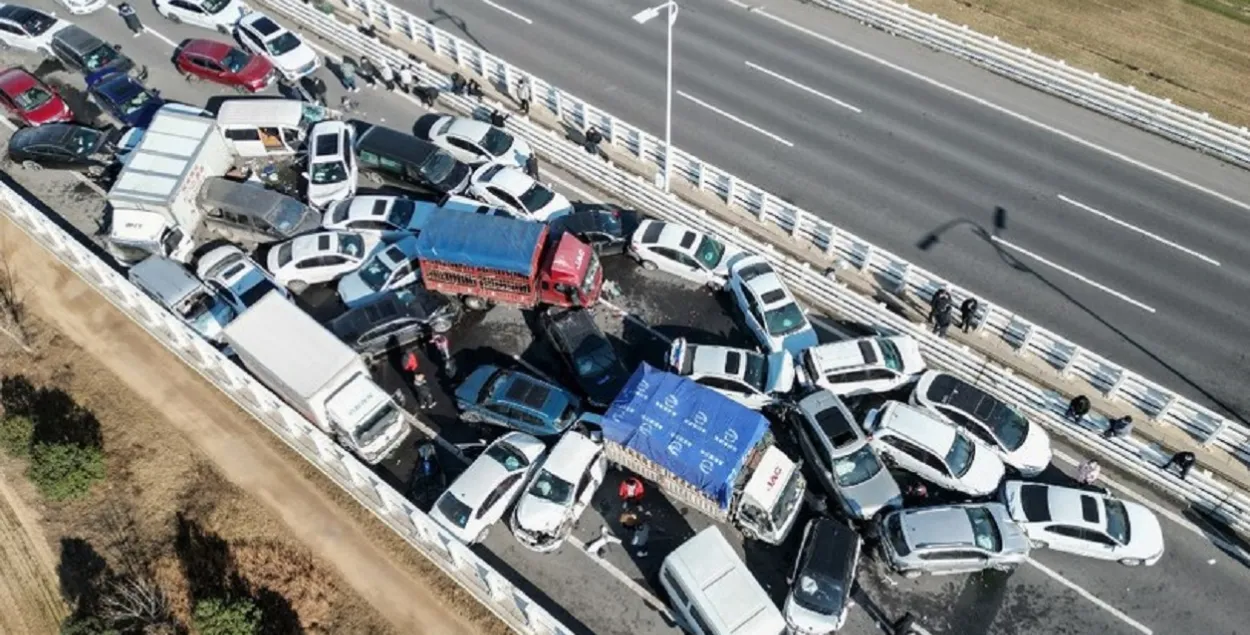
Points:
(911, 574)
(223, 29)
(441, 325)
(471, 417)
(297, 286)
(31, 165)
(474, 303)
(172, 18)
(1037, 544)
(648, 265)
(1131, 562)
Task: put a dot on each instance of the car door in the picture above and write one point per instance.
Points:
(505, 199)
(189, 13)
(404, 274)
(207, 68)
(670, 261)
(465, 150)
(1099, 545)
(1068, 538)
(498, 413)
(908, 456)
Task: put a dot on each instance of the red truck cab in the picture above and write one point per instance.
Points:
(487, 260)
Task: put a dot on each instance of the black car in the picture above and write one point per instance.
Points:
(589, 354)
(400, 159)
(84, 53)
(395, 320)
(65, 146)
(606, 228)
(824, 572)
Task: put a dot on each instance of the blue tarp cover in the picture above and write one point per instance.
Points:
(692, 431)
(476, 240)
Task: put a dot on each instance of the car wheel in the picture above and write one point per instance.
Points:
(911, 575)
(31, 165)
(471, 417)
(1131, 562)
(1037, 544)
(441, 325)
(173, 18)
(648, 265)
(223, 29)
(297, 286)
(474, 303)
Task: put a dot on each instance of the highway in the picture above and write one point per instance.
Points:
(1196, 588)
(893, 142)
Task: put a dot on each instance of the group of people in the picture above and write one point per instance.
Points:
(1120, 427)
(633, 521)
(942, 312)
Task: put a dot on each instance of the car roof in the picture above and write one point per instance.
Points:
(207, 48)
(834, 419)
(78, 39)
(325, 242)
(20, 14)
(16, 80)
(570, 456)
(412, 301)
(519, 388)
(333, 130)
(512, 180)
(846, 354)
(937, 526)
(47, 134)
(405, 249)
(574, 325)
(770, 290)
(262, 24)
(392, 142)
(963, 396)
(118, 86)
(468, 128)
(917, 426)
(677, 237)
(832, 546)
(478, 481)
(723, 361)
(1063, 505)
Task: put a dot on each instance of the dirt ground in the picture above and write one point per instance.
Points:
(1193, 52)
(205, 494)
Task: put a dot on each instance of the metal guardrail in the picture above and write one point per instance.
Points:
(479, 579)
(1045, 406)
(756, 205)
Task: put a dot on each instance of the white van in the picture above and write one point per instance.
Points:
(268, 127)
(712, 592)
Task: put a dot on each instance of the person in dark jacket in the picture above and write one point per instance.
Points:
(425, 396)
(968, 314)
(131, 18)
(593, 138)
(1184, 460)
(426, 94)
(1121, 427)
(944, 319)
(941, 298)
(1077, 409)
(458, 84)
(498, 119)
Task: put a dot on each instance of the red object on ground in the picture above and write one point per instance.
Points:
(631, 489)
(411, 364)
(30, 100)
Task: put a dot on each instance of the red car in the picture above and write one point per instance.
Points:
(32, 101)
(224, 64)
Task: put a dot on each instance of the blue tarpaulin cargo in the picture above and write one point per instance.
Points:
(478, 240)
(692, 431)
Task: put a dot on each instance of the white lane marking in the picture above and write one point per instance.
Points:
(1000, 109)
(738, 120)
(1212, 536)
(509, 11)
(654, 602)
(1090, 596)
(148, 29)
(804, 87)
(1101, 287)
(1130, 227)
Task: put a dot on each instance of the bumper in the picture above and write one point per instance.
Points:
(83, 8)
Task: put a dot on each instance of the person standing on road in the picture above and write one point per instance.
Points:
(131, 18)
(968, 314)
(387, 75)
(1077, 409)
(1121, 427)
(523, 95)
(425, 396)
(405, 78)
(317, 87)
(945, 317)
(1184, 460)
(347, 73)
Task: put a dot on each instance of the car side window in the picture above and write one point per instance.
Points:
(309, 263)
(390, 165)
(185, 6)
(502, 410)
(330, 261)
(675, 588)
(1100, 538)
(527, 418)
(721, 383)
(1069, 532)
(368, 158)
(699, 622)
(686, 260)
(464, 145)
(498, 493)
(209, 64)
(375, 225)
(585, 482)
(9, 28)
(821, 449)
(666, 253)
(401, 271)
(952, 555)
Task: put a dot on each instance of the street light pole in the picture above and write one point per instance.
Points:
(642, 17)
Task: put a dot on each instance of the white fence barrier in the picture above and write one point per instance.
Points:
(1228, 504)
(1026, 337)
(479, 579)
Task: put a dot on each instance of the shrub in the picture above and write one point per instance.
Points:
(63, 471)
(16, 433)
(86, 625)
(226, 617)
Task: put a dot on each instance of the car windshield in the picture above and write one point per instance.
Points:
(550, 487)
(1010, 427)
(709, 252)
(756, 371)
(235, 60)
(283, 44)
(329, 172)
(508, 456)
(791, 496)
(594, 358)
(33, 98)
(103, 55)
(889, 354)
(288, 215)
(496, 141)
(401, 213)
(37, 23)
(375, 273)
(453, 510)
(784, 320)
(83, 141)
(352, 244)
(536, 197)
(213, 7)
(960, 456)
(438, 167)
(984, 530)
(818, 593)
(137, 102)
(1117, 521)
(856, 468)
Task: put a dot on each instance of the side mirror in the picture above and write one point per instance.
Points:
(117, 47)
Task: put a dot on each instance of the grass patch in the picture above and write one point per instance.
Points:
(1238, 10)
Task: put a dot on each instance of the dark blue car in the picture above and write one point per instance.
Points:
(123, 97)
(516, 401)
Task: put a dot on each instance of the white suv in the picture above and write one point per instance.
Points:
(746, 377)
(916, 441)
(862, 366)
(768, 309)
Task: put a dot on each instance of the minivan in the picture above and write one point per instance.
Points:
(397, 158)
(181, 293)
(712, 592)
(249, 213)
(84, 53)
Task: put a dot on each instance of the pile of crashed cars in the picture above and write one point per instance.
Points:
(867, 415)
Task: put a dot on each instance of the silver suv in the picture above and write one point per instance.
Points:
(952, 539)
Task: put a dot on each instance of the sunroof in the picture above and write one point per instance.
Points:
(1089, 509)
(527, 393)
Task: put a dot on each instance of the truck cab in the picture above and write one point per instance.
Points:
(367, 415)
(771, 499)
(572, 274)
(134, 235)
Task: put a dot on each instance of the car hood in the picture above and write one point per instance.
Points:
(538, 515)
(1034, 455)
(55, 110)
(800, 340)
(353, 291)
(780, 373)
(458, 180)
(984, 474)
(804, 622)
(1145, 534)
(870, 497)
(296, 58)
(255, 70)
(322, 196)
(467, 391)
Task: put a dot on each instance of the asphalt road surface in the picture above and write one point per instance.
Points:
(1196, 588)
(895, 142)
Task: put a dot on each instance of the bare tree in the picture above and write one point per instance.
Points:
(12, 303)
(136, 602)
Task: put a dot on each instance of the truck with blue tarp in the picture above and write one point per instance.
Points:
(706, 451)
(486, 260)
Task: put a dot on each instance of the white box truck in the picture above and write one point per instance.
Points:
(154, 196)
(318, 375)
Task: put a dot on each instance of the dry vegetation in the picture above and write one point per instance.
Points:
(1191, 51)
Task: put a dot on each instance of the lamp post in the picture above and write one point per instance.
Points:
(642, 17)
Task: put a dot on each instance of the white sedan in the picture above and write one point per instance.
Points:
(511, 188)
(747, 377)
(473, 141)
(387, 268)
(1085, 523)
(482, 494)
(220, 15)
(318, 258)
(768, 308)
(331, 171)
(289, 54)
(559, 493)
(29, 29)
(235, 277)
(683, 252)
